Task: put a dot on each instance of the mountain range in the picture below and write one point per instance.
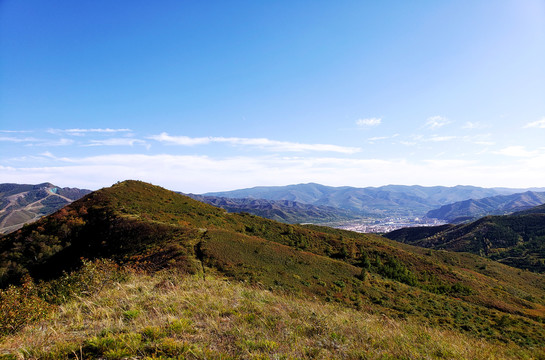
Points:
(496, 205)
(390, 200)
(23, 203)
(153, 229)
(288, 211)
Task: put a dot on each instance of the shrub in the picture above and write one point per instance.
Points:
(88, 280)
(19, 306)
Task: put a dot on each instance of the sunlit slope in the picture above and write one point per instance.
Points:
(23, 203)
(517, 240)
(138, 223)
(472, 209)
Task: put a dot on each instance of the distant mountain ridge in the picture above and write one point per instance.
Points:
(23, 203)
(392, 200)
(535, 210)
(287, 211)
(497, 205)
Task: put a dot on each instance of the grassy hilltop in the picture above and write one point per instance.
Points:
(313, 287)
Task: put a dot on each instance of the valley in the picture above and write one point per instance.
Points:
(383, 225)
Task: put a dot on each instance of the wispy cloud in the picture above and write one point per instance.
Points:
(117, 142)
(437, 138)
(479, 139)
(449, 163)
(368, 122)
(31, 141)
(417, 139)
(435, 122)
(515, 151)
(377, 138)
(262, 143)
(80, 132)
(14, 139)
(181, 140)
(473, 125)
(536, 124)
(50, 156)
(58, 142)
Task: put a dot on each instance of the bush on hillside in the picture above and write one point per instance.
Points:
(21, 305)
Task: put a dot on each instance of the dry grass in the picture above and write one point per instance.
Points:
(174, 316)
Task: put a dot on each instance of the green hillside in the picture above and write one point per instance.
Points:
(516, 240)
(149, 228)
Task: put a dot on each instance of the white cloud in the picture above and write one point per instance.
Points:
(17, 139)
(435, 122)
(376, 138)
(48, 154)
(437, 138)
(515, 151)
(417, 139)
(473, 125)
(59, 142)
(479, 139)
(117, 142)
(483, 142)
(368, 122)
(262, 143)
(30, 141)
(287, 146)
(536, 124)
(180, 140)
(80, 132)
(449, 163)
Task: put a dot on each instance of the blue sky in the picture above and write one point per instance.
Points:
(204, 96)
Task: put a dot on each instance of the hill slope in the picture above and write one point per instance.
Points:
(20, 204)
(391, 200)
(535, 210)
(149, 227)
(517, 240)
(166, 315)
(496, 205)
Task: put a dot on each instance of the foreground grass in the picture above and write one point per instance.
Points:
(185, 317)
